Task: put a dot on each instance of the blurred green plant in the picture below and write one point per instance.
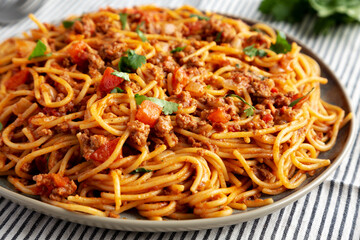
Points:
(329, 13)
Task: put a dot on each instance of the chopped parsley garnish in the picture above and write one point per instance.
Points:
(255, 29)
(131, 62)
(122, 75)
(140, 33)
(70, 23)
(178, 49)
(249, 111)
(167, 107)
(281, 45)
(237, 65)
(251, 51)
(117, 90)
(208, 86)
(218, 36)
(200, 17)
(141, 170)
(39, 50)
(1, 126)
(296, 101)
(123, 19)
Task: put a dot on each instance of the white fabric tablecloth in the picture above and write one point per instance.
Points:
(330, 211)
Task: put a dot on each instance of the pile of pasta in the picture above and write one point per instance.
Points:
(81, 116)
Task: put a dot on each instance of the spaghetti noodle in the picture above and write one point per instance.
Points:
(171, 112)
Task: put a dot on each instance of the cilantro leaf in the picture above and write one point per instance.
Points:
(218, 36)
(39, 50)
(1, 126)
(122, 75)
(167, 107)
(178, 49)
(141, 170)
(249, 111)
(251, 51)
(281, 45)
(140, 33)
(131, 62)
(296, 101)
(117, 90)
(123, 19)
(70, 23)
(200, 17)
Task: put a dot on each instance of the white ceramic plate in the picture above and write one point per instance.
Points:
(332, 92)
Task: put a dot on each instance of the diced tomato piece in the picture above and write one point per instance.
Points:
(17, 79)
(148, 112)
(77, 53)
(104, 152)
(267, 118)
(274, 90)
(219, 116)
(45, 183)
(109, 81)
(60, 181)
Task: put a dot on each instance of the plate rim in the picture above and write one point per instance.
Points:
(205, 223)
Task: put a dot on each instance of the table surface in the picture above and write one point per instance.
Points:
(330, 211)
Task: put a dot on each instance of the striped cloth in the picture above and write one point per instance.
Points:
(330, 211)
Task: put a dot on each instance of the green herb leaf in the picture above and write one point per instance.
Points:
(281, 45)
(178, 49)
(131, 62)
(237, 65)
(141, 170)
(208, 86)
(117, 90)
(329, 13)
(255, 29)
(249, 111)
(123, 19)
(284, 10)
(330, 8)
(167, 107)
(140, 33)
(122, 75)
(251, 51)
(39, 50)
(70, 23)
(1, 126)
(200, 17)
(218, 36)
(296, 101)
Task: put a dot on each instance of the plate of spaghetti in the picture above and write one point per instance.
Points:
(122, 116)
